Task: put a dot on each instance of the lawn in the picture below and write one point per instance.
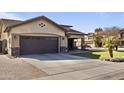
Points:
(100, 55)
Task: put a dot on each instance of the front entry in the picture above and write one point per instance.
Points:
(70, 44)
(75, 43)
(38, 45)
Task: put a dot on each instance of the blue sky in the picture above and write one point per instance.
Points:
(82, 21)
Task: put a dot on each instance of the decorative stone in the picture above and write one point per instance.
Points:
(107, 59)
(117, 60)
(15, 51)
(63, 50)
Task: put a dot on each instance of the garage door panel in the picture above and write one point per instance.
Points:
(36, 45)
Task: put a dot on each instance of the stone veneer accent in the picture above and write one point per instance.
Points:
(4, 46)
(15, 51)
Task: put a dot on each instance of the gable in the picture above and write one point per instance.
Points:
(39, 26)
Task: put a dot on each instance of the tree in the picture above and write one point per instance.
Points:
(114, 33)
(116, 42)
(109, 43)
(98, 30)
(97, 37)
(111, 39)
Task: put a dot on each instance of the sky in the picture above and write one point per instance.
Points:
(82, 21)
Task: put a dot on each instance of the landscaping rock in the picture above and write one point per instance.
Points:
(107, 59)
(117, 60)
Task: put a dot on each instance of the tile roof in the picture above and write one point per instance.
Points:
(65, 25)
(70, 30)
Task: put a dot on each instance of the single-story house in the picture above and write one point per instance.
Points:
(37, 35)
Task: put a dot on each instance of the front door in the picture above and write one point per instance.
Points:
(70, 43)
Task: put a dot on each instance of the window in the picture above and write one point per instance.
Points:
(41, 24)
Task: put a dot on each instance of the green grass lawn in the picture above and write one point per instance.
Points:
(100, 55)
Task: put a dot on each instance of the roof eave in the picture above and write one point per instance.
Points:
(7, 29)
(43, 17)
(75, 34)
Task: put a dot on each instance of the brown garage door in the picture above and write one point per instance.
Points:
(37, 45)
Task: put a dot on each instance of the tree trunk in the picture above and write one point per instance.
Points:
(111, 52)
(116, 48)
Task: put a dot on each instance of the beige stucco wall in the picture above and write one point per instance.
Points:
(9, 44)
(64, 42)
(76, 36)
(78, 43)
(3, 35)
(33, 29)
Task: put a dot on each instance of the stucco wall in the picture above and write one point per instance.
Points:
(4, 38)
(3, 34)
(64, 41)
(76, 36)
(9, 44)
(33, 29)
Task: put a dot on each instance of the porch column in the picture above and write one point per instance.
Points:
(63, 44)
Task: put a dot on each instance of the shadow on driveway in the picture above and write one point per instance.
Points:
(53, 57)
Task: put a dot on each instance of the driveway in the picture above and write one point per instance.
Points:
(16, 69)
(68, 67)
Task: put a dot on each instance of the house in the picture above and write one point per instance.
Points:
(121, 36)
(37, 35)
(90, 43)
(89, 40)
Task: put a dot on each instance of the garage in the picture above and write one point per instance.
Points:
(38, 45)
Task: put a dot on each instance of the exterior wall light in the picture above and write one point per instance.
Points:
(63, 38)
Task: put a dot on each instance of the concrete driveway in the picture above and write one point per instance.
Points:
(68, 67)
(53, 57)
(16, 69)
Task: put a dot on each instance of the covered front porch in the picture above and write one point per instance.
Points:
(75, 41)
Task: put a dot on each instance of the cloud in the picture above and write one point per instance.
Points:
(9, 16)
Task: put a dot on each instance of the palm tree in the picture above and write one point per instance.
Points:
(113, 34)
(109, 43)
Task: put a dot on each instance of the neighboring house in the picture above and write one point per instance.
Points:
(38, 35)
(89, 40)
(121, 35)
